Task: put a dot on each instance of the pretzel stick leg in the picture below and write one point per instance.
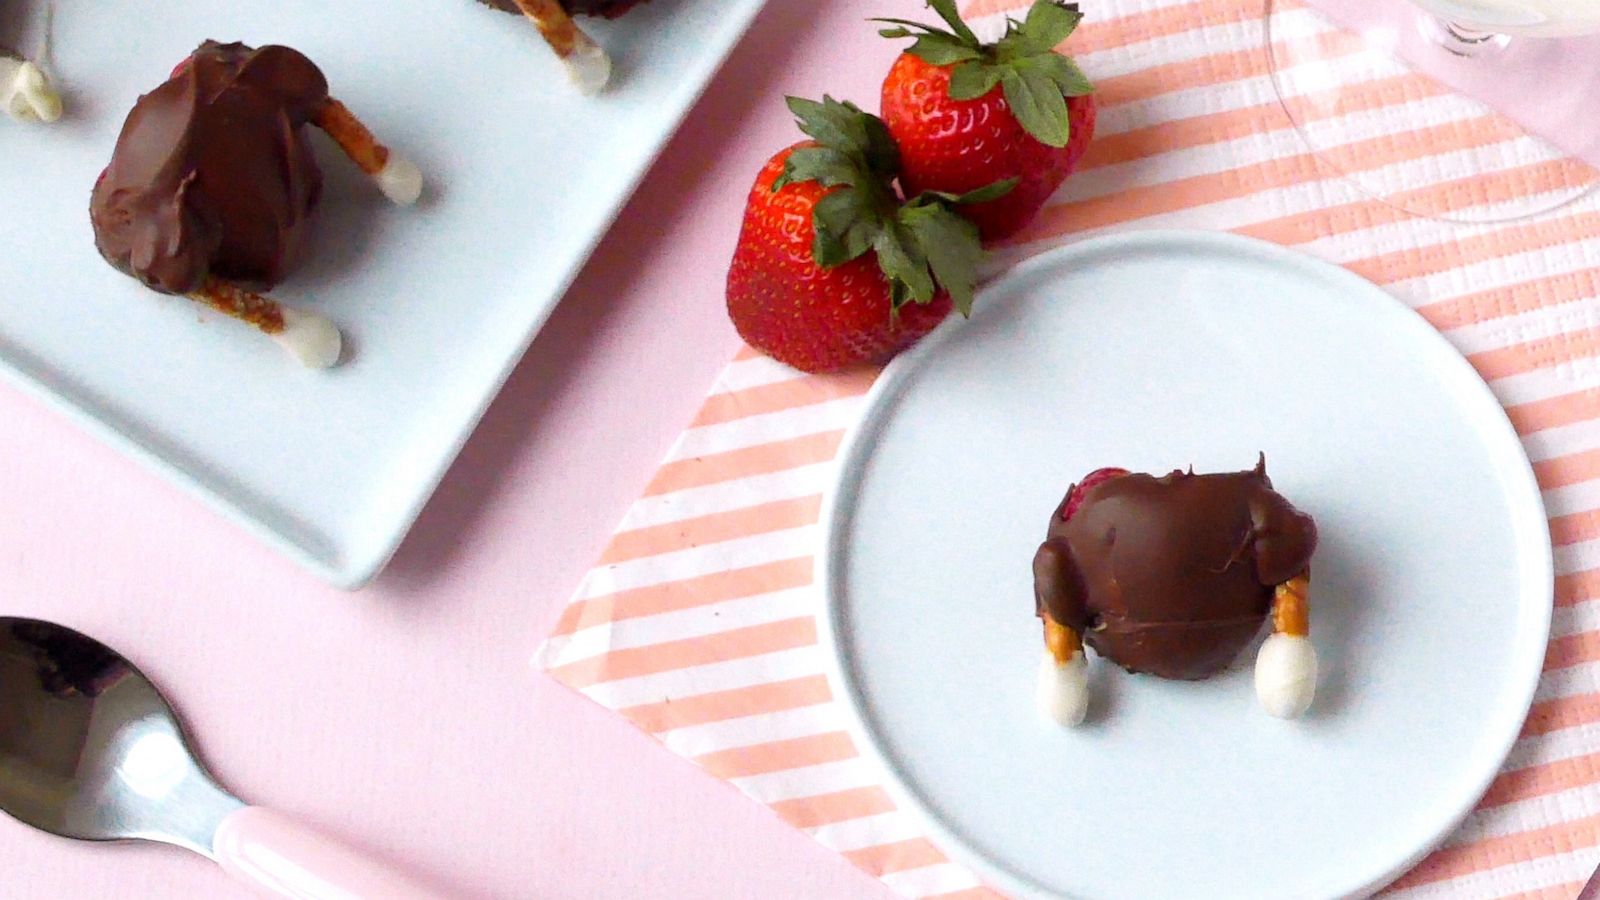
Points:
(1063, 691)
(308, 337)
(25, 91)
(398, 177)
(1063, 675)
(1286, 667)
(587, 63)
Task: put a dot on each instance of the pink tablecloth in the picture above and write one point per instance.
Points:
(405, 718)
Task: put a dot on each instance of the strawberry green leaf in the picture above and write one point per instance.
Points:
(843, 127)
(844, 228)
(991, 192)
(882, 152)
(906, 23)
(824, 165)
(1069, 79)
(905, 264)
(827, 250)
(933, 45)
(950, 243)
(937, 49)
(1038, 105)
(1048, 24)
(828, 122)
(981, 195)
(898, 297)
(952, 17)
(972, 80)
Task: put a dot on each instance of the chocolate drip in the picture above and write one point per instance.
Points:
(213, 173)
(1172, 576)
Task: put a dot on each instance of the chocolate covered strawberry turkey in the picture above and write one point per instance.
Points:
(1173, 577)
(213, 182)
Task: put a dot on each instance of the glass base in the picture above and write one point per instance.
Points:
(1366, 115)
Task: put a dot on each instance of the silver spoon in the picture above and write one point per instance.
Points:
(90, 750)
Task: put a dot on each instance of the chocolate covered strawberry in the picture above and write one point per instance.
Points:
(966, 113)
(1173, 576)
(832, 268)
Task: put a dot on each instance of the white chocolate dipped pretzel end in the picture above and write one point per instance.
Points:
(312, 340)
(1286, 666)
(586, 61)
(26, 93)
(398, 177)
(1063, 693)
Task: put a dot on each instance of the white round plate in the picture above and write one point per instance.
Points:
(1431, 590)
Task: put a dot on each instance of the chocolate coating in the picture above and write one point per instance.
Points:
(1172, 576)
(213, 173)
(607, 8)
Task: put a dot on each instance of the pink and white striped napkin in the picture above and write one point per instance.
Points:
(698, 623)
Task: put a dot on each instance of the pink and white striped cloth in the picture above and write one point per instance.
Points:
(698, 623)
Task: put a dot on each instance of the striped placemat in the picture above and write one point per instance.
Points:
(698, 623)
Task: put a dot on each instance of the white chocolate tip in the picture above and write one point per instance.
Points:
(400, 180)
(1286, 675)
(588, 66)
(26, 94)
(1064, 689)
(310, 338)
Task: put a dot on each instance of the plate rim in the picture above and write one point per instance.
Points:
(857, 445)
(344, 568)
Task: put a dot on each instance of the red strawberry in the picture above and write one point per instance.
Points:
(967, 114)
(832, 269)
(1076, 493)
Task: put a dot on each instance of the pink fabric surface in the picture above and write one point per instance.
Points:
(405, 719)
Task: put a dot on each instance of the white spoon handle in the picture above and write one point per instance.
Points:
(282, 858)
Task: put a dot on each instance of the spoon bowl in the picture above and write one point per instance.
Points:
(90, 750)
